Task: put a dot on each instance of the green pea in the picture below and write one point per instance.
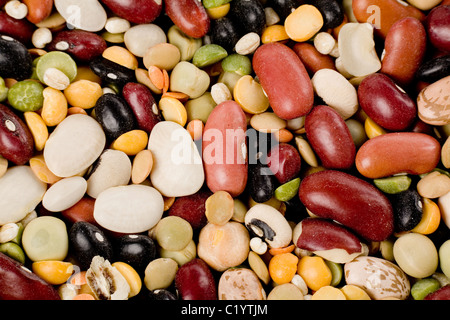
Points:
(201, 107)
(393, 185)
(13, 250)
(58, 60)
(208, 54)
(26, 95)
(423, 287)
(237, 63)
(288, 190)
(336, 272)
(173, 233)
(214, 3)
(3, 90)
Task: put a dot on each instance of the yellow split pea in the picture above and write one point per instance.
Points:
(83, 93)
(54, 109)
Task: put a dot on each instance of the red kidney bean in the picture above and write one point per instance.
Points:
(225, 149)
(188, 15)
(192, 208)
(321, 234)
(82, 45)
(384, 13)
(83, 210)
(195, 281)
(330, 138)
(143, 104)
(18, 283)
(442, 293)
(438, 27)
(312, 59)
(404, 47)
(16, 140)
(398, 152)
(38, 10)
(284, 161)
(135, 11)
(21, 30)
(385, 103)
(284, 79)
(350, 201)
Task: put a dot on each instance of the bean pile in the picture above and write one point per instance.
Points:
(225, 149)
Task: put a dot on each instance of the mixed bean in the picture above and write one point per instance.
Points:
(225, 150)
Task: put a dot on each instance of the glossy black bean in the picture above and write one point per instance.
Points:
(136, 250)
(407, 206)
(161, 294)
(332, 12)
(261, 182)
(225, 33)
(434, 69)
(15, 60)
(283, 7)
(248, 15)
(87, 241)
(111, 72)
(115, 115)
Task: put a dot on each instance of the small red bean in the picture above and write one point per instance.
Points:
(189, 15)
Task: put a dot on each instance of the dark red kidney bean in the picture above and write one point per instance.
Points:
(330, 138)
(332, 13)
(408, 208)
(398, 152)
(351, 201)
(135, 11)
(137, 250)
(248, 15)
(284, 161)
(224, 149)
(321, 234)
(405, 47)
(114, 115)
(143, 104)
(192, 208)
(16, 140)
(283, 7)
(87, 241)
(111, 72)
(18, 283)
(438, 27)
(15, 60)
(312, 59)
(385, 103)
(21, 30)
(434, 69)
(82, 45)
(83, 210)
(188, 15)
(442, 293)
(194, 281)
(422, 127)
(225, 33)
(261, 185)
(284, 79)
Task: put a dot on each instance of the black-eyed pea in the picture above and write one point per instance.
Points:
(160, 273)
(131, 276)
(38, 129)
(163, 55)
(173, 110)
(122, 56)
(83, 93)
(434, 185)
(274, 33)
(250, 95)
(219, 207)
(267, 122)
(131, 142)
(54, 108)
(142, 166)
